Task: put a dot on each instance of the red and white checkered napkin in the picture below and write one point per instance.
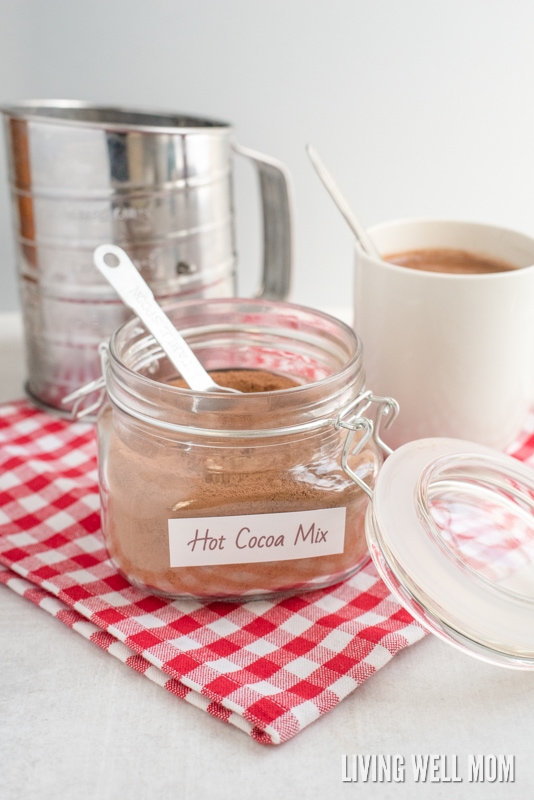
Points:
(270, 668)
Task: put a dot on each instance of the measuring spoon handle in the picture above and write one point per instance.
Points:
(137, 295)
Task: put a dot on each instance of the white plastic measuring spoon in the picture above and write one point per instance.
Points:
(116, 266)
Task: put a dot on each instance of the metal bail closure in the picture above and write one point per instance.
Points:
(352, 419)
(76, 399)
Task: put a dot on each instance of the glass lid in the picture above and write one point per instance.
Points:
(451, 531)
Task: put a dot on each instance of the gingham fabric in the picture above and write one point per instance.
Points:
(268, 667)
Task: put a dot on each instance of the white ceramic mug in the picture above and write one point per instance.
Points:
(456, 351)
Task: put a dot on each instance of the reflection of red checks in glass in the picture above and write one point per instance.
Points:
(495, 550)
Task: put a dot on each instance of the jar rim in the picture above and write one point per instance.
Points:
(345, 345)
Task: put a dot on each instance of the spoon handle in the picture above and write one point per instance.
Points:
(137, 295)
(363, 238)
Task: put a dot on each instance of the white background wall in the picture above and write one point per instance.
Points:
(419, 107)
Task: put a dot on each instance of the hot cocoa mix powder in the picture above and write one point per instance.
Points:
(148, 479)
(246, 380)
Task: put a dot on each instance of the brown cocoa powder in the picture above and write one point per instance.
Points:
(147, 480)
(246, 380)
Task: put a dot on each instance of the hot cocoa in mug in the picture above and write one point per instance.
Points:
(448, 329)
(449, 260)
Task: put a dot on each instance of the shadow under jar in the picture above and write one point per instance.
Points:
(213, 495)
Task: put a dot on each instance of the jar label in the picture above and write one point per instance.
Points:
(256, 537)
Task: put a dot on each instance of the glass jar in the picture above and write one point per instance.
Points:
(213, 495)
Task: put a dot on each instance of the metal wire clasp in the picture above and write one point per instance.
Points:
(76, 399)
(352, 419)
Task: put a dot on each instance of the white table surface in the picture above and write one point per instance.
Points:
(75, 722)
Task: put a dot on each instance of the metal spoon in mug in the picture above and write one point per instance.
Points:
(116, 266)
(362, 237)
